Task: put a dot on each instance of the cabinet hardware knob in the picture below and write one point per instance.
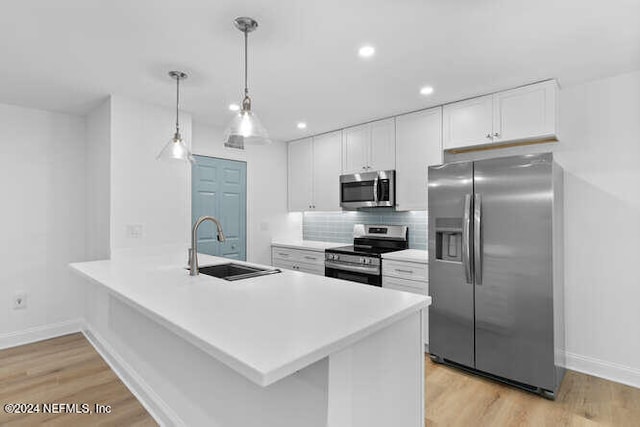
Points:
(489, 135)
(496, 134)
(364, 167)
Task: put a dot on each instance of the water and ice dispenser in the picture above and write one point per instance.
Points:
(449, 239)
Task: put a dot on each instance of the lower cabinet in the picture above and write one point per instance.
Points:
(307, 261)
(394, 276)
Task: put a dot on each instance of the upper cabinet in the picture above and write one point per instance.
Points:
(314, 173)
(300, 178)
(369, 147)
(526, 113)
(326, 171)
(468, 123)
(418, 146)
(518, 115)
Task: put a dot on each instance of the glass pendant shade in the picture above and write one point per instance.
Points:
(245, 128)
(176, 149)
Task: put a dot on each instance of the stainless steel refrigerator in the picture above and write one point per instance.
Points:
(496, 269)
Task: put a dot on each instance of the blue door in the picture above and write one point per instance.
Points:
(219, 189)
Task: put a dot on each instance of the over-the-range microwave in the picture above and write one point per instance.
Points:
(368, 189)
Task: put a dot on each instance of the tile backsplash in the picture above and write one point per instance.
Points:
(338, 226)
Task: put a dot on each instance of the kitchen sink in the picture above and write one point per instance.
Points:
(232, 271)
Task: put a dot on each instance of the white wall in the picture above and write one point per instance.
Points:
(42, 217)
(599, 149)
(98, 177)
(600, 152)
(144, 191)
(267, 215)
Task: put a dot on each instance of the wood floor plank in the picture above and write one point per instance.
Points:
(65, 370)
(457, 398)
(69, 370)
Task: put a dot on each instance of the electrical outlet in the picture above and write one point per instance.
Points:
(19, 300)
(134, 231)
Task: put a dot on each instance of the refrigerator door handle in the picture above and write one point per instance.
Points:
(466, 239)
(477, 238)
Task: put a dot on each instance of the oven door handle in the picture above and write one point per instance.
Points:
(354, 268)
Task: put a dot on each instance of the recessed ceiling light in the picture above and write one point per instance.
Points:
(366, 51)
(234, 107)
(426, 90)
(301, 125)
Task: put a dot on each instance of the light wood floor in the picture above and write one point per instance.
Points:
(65, 370)
(68, 370)
(455, 398)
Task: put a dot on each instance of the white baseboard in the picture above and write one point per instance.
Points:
(152, 402)
(39, 333)
(603, 369)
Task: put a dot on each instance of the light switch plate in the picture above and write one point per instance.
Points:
(134, 231)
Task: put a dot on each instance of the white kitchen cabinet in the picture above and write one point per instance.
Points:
(314, 173)
(355, 144)
(300, 178)
(418, 146)
(468, 123)
(524, 113)
(527, 113)
(382, 148)
(326, 171)
(413, 284)
(307, 261)
(369, 147)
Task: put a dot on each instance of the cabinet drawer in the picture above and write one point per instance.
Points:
(405, 270)
(299, 266)
(297, 255)
(406, 285)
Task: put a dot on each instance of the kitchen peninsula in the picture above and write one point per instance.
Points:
(286, 349)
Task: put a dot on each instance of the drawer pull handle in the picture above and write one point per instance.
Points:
(400, 270)
(310, 257)
(282, 254)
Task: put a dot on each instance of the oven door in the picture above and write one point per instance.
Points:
(353, 274)
(369, 189)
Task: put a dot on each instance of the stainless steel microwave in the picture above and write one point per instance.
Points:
(368, 189)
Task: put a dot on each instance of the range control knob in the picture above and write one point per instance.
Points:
(336, 257)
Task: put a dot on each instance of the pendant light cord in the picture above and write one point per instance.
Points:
(246, 62)
(177, 104)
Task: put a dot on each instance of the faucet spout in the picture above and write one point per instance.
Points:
(193, 252)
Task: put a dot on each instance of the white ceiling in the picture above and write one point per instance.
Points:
(67, 55)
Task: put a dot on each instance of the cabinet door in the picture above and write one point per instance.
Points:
(421, 288)
(354, 148)
(327, 159)
(300, 175)
(418, 146)
(525, 113)
(468, 123)
(382, 147)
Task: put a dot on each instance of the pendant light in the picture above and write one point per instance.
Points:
(176, 149)
(245, 126)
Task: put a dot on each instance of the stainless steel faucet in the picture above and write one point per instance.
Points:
(193, 251)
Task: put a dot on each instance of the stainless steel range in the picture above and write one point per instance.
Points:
(361, 262)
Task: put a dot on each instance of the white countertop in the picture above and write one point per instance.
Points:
(411, 255)
(310, 245)
(265, 328)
